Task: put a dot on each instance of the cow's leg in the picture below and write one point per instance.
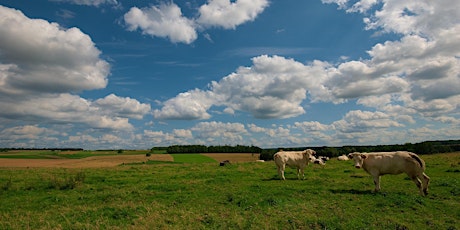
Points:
(298, 173)
(425, 182)
(303, 173)
(281, 172)
(377, 183)
(417, 182)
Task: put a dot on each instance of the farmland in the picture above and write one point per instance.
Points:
(191, 191)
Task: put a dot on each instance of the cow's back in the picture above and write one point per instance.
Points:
(288, 158)
(392, 162)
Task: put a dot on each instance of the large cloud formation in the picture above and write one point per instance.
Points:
(273, 87)
(39, 77)
(166, 20)
(412, 79)
(417, 74)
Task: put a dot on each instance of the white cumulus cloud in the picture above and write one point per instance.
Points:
(55, 60)
(166, 21)
(123, 106)
(230, 14)
(190, 105)
(363, 121)
(89, 2)
(273, 87)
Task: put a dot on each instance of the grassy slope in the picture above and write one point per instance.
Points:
(192, 158)
(238, 196)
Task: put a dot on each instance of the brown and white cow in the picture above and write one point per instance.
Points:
(294, 159)
(381, 163)
(317, 160)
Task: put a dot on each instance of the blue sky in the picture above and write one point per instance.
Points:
(110, 74)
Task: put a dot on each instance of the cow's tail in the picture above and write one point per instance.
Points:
(418, 159)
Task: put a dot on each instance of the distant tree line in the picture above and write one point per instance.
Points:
(426, 147)
(212, 149)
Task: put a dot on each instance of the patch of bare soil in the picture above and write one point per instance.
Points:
(89, 162)
(233, 157)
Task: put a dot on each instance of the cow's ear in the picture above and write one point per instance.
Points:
(350, 155)
(363, 156)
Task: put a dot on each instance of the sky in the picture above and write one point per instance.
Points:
(115, 74)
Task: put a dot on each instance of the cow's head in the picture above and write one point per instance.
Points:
(358, 158)
(309, 154)
(311, 151)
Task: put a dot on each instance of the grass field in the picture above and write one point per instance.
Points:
(192, 158)
(238, 196)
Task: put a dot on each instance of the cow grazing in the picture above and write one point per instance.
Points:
(224, 163)
(294, 159)
(381, 163)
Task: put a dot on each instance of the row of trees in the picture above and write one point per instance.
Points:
(427, 147)
(212, 149)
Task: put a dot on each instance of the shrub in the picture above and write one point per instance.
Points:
(67, 183)
(267, 155)
(7, 185)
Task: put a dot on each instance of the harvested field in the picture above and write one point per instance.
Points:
(88, 162)
(112, 160)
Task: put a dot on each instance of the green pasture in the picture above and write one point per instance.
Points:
(192, 158)
(236, 196)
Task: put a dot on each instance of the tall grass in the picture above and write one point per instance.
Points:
(237, 196)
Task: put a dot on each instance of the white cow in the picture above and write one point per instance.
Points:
(342, 158)
(381, 163)
(294, 159)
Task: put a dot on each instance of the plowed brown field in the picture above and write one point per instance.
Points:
(88, 162)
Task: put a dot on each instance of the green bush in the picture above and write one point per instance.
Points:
(67, 183)
(7, 185)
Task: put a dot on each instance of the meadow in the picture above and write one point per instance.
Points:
(194, 192)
